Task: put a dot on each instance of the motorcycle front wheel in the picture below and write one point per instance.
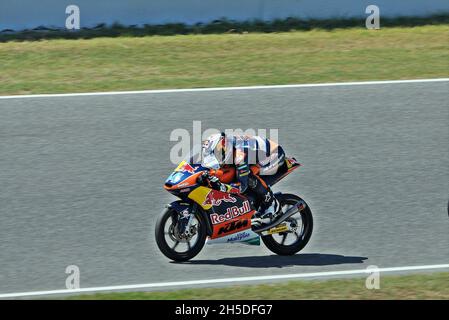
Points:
(176, 246)
(289, 243)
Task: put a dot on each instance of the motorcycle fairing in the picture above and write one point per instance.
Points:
(228, 213)
(290, 165)
(179, 206)
(246, 237)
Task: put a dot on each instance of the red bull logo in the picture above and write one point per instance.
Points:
(188, 168)
(231, 213)
(215, 198)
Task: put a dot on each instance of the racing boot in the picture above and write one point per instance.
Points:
(269, 210)
(270, 214)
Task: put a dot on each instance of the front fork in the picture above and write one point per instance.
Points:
(185, 218)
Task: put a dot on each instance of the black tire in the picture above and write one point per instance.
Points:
(165, 248)
(307, 220)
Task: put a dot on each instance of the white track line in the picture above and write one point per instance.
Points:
(223, 280)
(310, 85)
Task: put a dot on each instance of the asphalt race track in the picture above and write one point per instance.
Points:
(81, 181)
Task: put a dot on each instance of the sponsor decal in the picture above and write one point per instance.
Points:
(185, 167)
(244, 236)
(231, 213)
(188, 168)
(278, 229)
(239, 236)
(182, 184)
(215, 198)
(233, 226)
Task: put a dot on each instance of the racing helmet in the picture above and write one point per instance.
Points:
(214, 151)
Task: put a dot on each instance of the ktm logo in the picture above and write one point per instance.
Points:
(232, 226)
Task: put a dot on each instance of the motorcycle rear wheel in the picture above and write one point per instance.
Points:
(169, 250)
(302, 238)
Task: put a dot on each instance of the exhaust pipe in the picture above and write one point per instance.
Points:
(298, 206)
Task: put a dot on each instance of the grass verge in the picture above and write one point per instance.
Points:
(422, 286)
(187, 61)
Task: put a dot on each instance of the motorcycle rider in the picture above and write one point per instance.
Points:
(252, 156)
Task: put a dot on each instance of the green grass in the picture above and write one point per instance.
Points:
(422, 286)
(187, 61)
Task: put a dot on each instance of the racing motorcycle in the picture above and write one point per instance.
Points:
(204, 215)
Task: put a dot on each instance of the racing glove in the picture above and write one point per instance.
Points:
(213, 182)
